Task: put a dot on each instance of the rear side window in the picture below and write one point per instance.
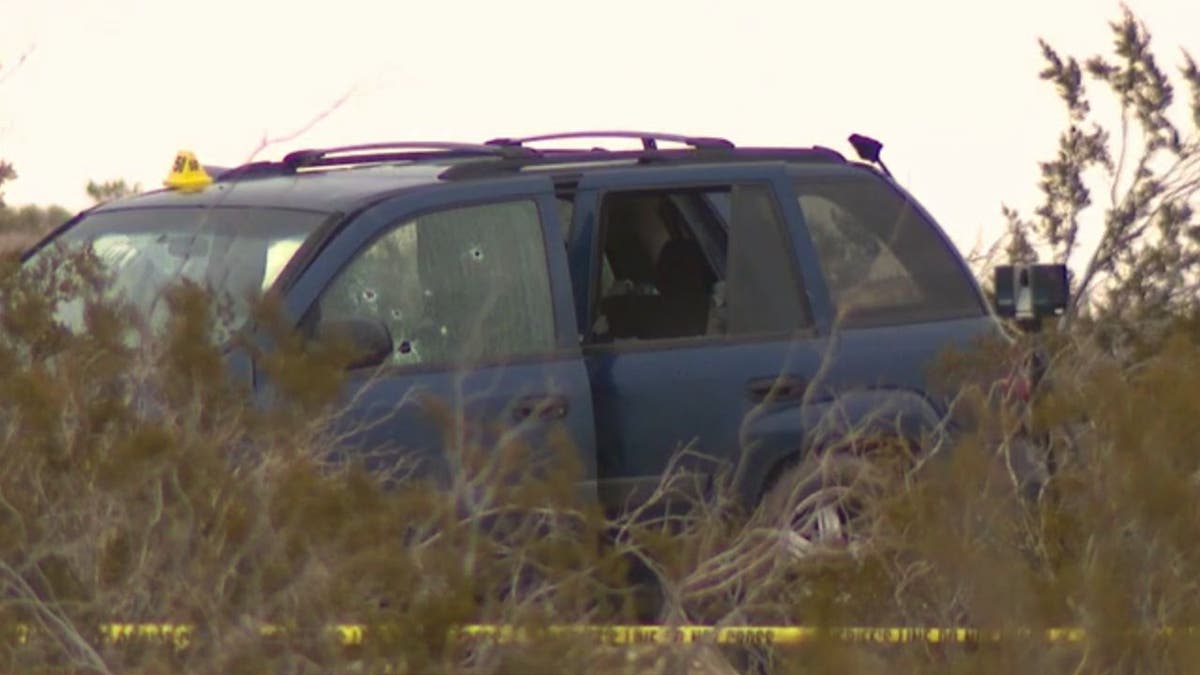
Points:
(462, 285)
(883, 261)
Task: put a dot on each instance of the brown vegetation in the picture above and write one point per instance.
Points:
(142, 485)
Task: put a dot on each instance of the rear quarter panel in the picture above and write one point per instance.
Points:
(874, 381)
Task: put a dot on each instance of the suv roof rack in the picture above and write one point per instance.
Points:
(393, 151)
(507, 155)
(369, 153)
(649, 139)
(571, 160)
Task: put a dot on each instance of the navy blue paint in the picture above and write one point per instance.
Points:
(485, 394)
(485, 397)
(648, 399)
(651, 400)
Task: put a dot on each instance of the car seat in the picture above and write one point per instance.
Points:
(685, 282)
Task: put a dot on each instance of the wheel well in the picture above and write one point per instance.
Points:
(775, 472)
(783, 464)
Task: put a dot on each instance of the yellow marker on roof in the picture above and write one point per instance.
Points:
(187, 174)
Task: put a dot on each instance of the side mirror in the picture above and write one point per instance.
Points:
(1030, 293)
(369, 339)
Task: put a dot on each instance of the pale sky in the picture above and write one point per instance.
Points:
(113, 88)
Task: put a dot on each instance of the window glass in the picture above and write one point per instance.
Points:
(676, 264)
(566, 214)
(232, 252)
(883, 262)
(461, 285)
(763, 293)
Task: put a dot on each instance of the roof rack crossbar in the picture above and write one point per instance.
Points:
(649, 139)
(321, 156)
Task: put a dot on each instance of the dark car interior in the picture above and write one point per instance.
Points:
(662, 280)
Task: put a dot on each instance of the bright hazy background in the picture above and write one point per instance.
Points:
(111, 89)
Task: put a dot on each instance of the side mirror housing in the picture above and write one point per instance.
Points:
(1030, 293)
(369, 339)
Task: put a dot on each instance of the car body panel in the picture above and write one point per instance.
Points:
(390, 407)
(654, 399)
(628, 407)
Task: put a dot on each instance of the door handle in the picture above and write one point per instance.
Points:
(780, 388)
(552, 407)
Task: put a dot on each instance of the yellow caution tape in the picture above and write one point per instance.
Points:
(348, 635)
(759, 635)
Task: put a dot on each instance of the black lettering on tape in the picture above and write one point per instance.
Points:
(752, 637)
(644, 636)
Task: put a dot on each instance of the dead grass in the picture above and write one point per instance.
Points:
(140, 484)
(16, 242)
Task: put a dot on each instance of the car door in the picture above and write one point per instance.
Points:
(662, 379)
(472, 284)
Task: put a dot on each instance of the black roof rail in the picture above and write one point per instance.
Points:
(395, 151)
(250, 170)
(649, 139)
(571, 160)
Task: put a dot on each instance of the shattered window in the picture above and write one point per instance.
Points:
(462, 285)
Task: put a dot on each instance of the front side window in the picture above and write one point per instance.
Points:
(883, 261)
(461, 285)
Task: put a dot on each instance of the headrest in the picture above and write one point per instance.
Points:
(682, 268)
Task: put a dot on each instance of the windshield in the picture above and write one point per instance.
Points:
(234, 252)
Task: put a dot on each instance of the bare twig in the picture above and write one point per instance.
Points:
(268, 141)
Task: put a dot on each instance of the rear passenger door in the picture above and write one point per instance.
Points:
(475, 293)
(698, 321)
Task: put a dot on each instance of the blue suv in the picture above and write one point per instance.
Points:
(730, 300)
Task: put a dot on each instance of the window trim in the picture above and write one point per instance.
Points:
(634, 345)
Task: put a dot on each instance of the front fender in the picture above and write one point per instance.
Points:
(784, 434)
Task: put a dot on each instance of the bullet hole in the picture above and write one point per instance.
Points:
(405, 347)
(476, 253)
(370, 295)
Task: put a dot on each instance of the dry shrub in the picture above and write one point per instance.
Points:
(15, 241)
(141, 481)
